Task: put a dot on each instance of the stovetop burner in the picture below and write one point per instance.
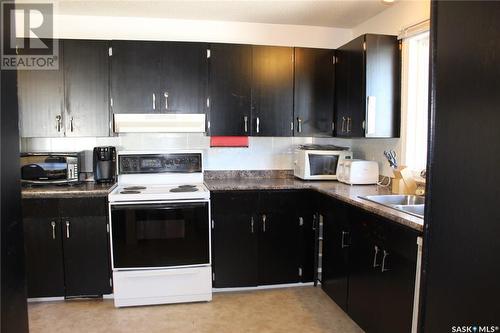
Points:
(134, 188)
(130, 192)
(184, 188)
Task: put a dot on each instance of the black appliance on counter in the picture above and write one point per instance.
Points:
(49, 168)
(104, 164)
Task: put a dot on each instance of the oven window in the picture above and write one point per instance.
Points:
(323, 164)
(160, 235)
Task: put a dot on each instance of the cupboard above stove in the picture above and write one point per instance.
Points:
(249, 90)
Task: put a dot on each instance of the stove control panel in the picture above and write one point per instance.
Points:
(159, 163)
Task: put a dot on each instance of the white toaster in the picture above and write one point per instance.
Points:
(358, 172)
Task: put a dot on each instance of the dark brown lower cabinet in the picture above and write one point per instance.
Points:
(67, 249)
(382, 274)
(260, 238)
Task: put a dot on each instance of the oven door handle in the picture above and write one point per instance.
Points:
(165, 206)
(149, 273)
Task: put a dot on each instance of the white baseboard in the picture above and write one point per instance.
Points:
(272, 286)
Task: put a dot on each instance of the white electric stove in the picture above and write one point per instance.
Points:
(160, 229)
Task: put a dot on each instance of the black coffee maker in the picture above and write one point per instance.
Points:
(104, 164)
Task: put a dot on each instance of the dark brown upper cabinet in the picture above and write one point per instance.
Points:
(272, 91)
(314, 92)
(230, 89)
(368, 87)
(158, 77)
(70, 101)
(86, 87)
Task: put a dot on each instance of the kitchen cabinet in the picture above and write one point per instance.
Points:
(272, 91)
(382, 274)
(86, 87)
(314, 92)
(43, 248)
(234, 239)
(70, 101)
(367, 89)
(67, 251)
(336, 244)
(259, 240)
(230, 79)
(41, 102)
(159, 77)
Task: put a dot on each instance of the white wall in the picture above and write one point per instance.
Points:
(136, 28)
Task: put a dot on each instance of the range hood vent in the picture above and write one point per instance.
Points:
(159, 123)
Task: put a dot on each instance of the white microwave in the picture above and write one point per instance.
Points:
(319, 162)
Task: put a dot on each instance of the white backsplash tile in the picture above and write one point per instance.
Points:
(263, 153)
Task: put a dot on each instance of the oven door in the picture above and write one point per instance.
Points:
(155, 235)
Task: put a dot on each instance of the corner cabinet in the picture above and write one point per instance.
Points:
(70, 101)
(368, 87)
(314, 94)
(258, 240)
(67, 248)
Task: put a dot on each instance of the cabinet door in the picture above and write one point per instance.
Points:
(86, 83)
(230, 89)
(397, 279)
(234, 239)
(279, 259)
(41, 102)
(383, 86)
(272, 91)
(314, 92)
(350, 89)
(43, 247)
(86, 249)
(303, 204)
(135, 76)
(336, 243)
(184, 77)
(364, 266)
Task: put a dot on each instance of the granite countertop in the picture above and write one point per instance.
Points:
(347, 193)
(84, 189)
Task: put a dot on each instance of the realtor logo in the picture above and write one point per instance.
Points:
(27, 37)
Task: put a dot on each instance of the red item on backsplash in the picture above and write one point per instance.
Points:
(229, 141)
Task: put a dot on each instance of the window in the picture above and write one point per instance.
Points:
(415, 100)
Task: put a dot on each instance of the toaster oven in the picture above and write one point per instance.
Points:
(319, 162)
(49, 168)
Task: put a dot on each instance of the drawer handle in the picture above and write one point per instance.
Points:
(149, 273)
(344, 244)
(53, 224)
(375, 264)
(67, 229)
(384, 269)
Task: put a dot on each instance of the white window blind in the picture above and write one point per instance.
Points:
(415, 100)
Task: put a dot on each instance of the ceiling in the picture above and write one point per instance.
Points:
(340, 13)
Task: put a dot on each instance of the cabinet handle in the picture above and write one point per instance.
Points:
(166, 99)
(386, 254)
(154, 101)
(349, 124)
(343, 124)
(245, 119)
(375, 265)
(258, 125)
(264, 217)
(299, 125)
(67, 229)
(58, 122)
(71, 124)
(251, 224)
(343, 243)
(53, 224)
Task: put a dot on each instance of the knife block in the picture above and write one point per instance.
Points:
(403, 182)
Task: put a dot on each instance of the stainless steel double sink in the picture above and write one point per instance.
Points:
(411, 204)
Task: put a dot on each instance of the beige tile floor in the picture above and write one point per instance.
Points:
(301, 309)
